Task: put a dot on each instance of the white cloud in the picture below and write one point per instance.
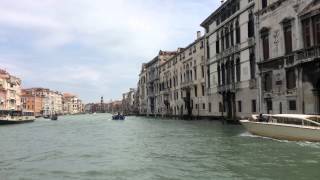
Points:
(121, 34)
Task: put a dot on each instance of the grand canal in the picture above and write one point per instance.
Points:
(95, 147)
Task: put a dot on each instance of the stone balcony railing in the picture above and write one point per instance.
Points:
(228, 88)
(187, 83)
(292, 59)
(308, 53)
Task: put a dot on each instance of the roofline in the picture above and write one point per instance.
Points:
(184, 49)
(210, 18)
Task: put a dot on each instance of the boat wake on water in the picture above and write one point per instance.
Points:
(300, 143)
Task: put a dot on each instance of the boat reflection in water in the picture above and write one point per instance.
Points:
(285, 126)
(15, 117)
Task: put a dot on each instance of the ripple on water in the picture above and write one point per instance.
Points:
(92, 147)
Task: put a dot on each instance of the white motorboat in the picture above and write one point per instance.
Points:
(292, 127)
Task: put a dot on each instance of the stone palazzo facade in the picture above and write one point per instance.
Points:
(232, 81)
(288, 39)
(257, 56)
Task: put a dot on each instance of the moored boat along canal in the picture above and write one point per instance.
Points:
(95, 147)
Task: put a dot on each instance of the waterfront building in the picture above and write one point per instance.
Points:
(257, 56)
(142, 91)
(230, 53)
(31, 103)
(51, 100)
(153, 83)
(128, 102)
(114, 107)
(72, 104)
(10, 91)
(288, 52)
(89, 108)
(182, 82)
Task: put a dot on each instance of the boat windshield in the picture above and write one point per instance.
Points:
(314, 122)
(314, 118)
(10, 113)
(286, 120)
(28, 114)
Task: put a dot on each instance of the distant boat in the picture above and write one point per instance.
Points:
(15, 117)
(118, 117)
(285, 126)
(54, 117)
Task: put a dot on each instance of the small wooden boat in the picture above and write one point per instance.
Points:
(285, 126)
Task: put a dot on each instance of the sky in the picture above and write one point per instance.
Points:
(93, 48)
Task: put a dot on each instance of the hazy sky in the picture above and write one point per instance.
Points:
(92, 48)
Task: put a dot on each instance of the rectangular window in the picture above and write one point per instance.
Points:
(220, 107)
(227, 39)
(222, 41)
(238, 70)
(210, 107)
(292, 105)
(269, 105)
(196, 91)
(265, 46)
(219, 75)
(238, 33)
(267, 82)
(316, 29)
(291, 79)
(306, 33)
(251, 25)
(254, 106)
(202, 71)
(195, 73)
(208, 50)
(208, 75)
(231, 36)
(239, 106)
(252, 64)
(264, 3)
(217, 47)
(203, 90)
(288, 38)
(203, 106)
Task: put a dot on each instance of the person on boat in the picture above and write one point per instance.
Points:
(260, 118)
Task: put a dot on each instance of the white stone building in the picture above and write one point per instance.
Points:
(232, 85)
(10, 92)
(288, 39)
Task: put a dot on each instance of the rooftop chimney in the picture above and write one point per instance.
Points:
(198, 34)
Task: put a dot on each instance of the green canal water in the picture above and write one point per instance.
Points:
(95, 147)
